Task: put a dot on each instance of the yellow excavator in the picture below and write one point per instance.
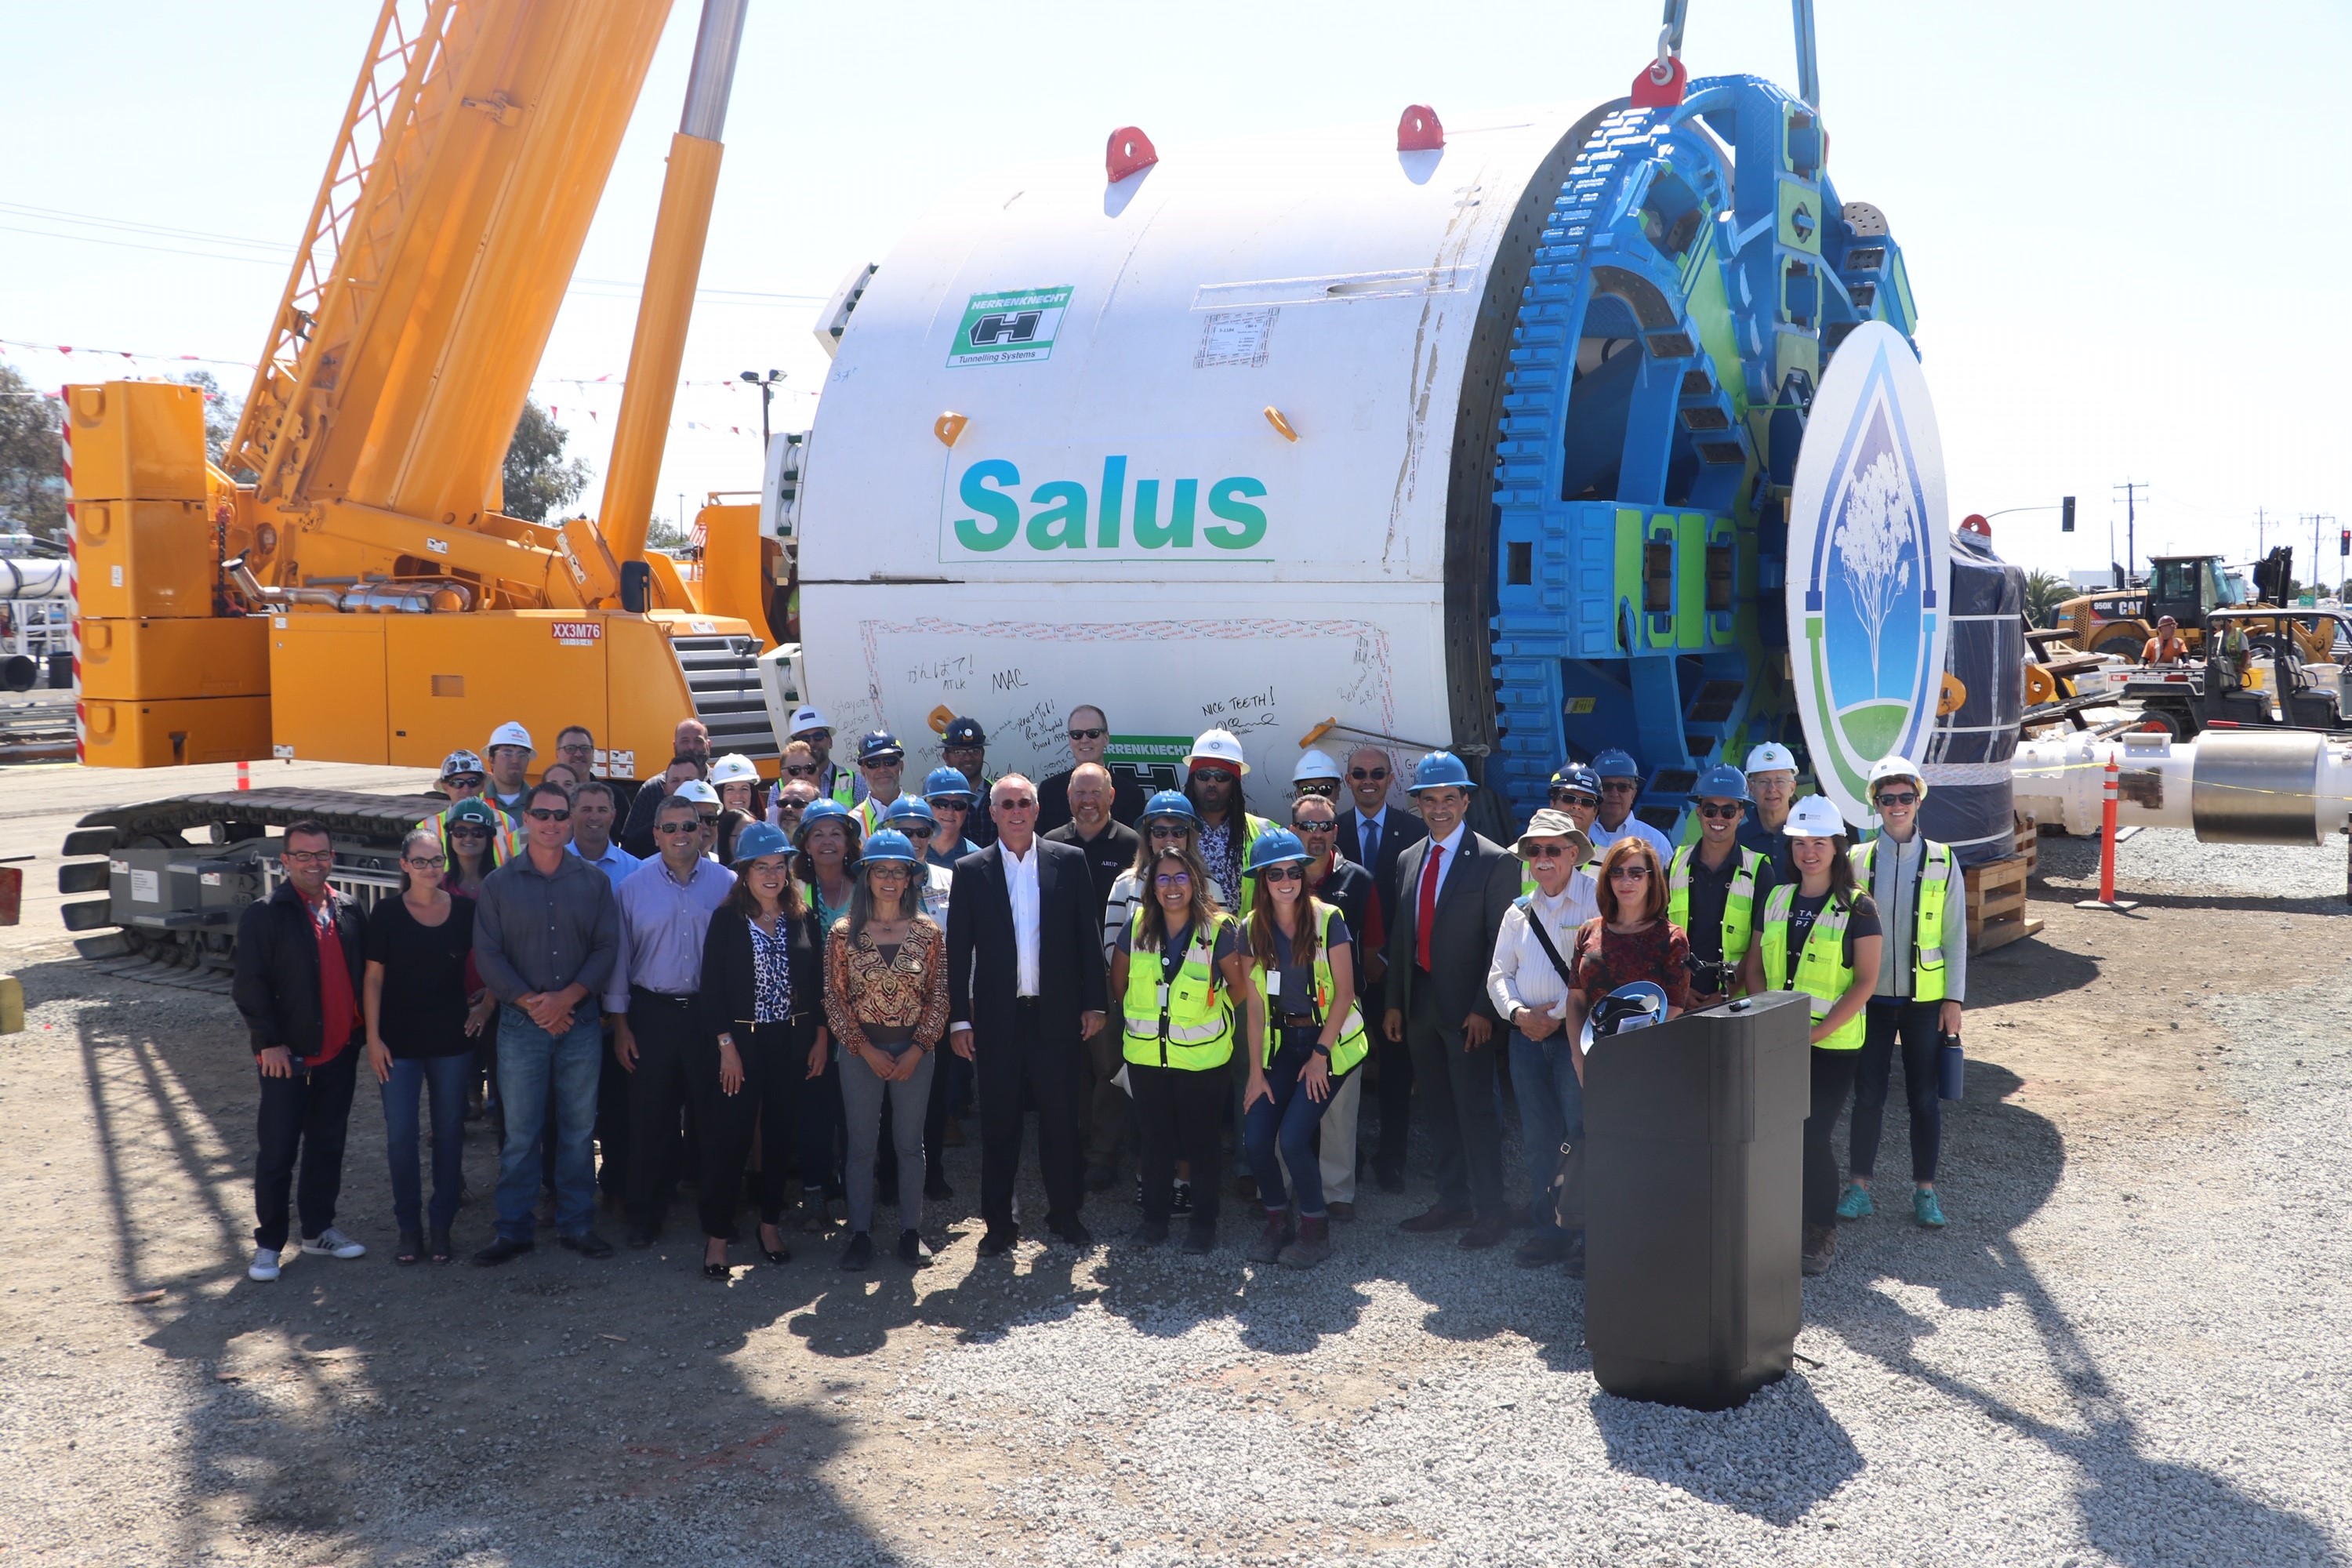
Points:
(346, 587)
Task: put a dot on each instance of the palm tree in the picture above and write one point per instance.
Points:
(2045, 592)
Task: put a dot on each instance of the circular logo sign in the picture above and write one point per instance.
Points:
(1869, 565)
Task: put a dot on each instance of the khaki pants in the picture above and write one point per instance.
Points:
(1337, 1159)
(1108, 1107)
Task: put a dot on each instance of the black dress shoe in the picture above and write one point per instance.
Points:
(859, 1252)
(1150, 1233)
(1073, 1231)
(1200, 1238)
(718, 1270)
(998, 1240)
(501, 1250)
(911, 1250)
(1390, 1179)
(643, 1236)
(936, 1188)
(587, 1244)
(439, 1249)
(776, 1254)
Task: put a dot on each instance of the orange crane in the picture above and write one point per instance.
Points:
(362, 598)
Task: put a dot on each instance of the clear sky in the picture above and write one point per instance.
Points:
(2125, 222)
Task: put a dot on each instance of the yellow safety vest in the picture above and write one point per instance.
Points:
(1739, 903)
(1928, 902)
(506, 838)
(1823, 974)
(1187, 1023)
(1353, 1045)
(845, 786)
(1253, 829)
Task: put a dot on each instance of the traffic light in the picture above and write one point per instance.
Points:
(2066, 518)
(2344, 542)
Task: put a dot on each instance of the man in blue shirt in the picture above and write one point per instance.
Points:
(665, 911)
(594, 811)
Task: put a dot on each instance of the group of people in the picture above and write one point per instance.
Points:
(745, 988)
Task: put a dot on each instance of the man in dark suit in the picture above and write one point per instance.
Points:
(1452, 888)
(1025, 988)
(1369, 824)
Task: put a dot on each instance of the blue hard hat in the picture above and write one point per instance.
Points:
(827, 810)
(1576, 775)
(1275, 847)
(1169, 802)
(909, 808)
(1614, 763)
(1722, 782)
(941, 782)
(887, 846)
(760, 838)
(1636, 1004)
(1438, 770)
(876, 744)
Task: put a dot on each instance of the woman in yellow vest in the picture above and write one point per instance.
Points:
(1922, 897)
(1832, 930)
(1181, 978)
(1307, 1035)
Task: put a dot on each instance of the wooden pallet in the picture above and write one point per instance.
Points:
(1996, 896)
(2028, 841)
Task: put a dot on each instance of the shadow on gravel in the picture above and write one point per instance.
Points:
(1774, 1458)
(2027, 972)
(2135, 1506)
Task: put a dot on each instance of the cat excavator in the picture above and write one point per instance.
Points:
(344, 586)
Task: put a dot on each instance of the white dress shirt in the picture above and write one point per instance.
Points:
(1522, 974)
(1021, 889)
(1631, 827)
(1452, 844)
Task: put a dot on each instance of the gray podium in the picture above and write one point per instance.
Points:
(1693, 1188)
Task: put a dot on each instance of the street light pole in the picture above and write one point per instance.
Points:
(767, 385)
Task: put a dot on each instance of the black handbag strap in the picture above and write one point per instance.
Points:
(1543, 939)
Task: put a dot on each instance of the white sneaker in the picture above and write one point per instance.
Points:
(333, 1243)
(265, 1265)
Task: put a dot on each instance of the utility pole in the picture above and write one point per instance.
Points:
(2259, 520)
(2131, 489)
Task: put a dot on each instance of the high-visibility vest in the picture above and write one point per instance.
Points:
(1187, 1022)
(506, 838)
(873, 816)
(1823, 972)
(844, 784)
(1353, 1045)
(1738, 902)
(1927, 903)
(1253, 829)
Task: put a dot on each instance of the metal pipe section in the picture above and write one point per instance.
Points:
(2291, 786)
(390, 596)
(711, 80)
(22, 579)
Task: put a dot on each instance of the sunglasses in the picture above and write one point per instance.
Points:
(464, 780)
(800, 771)
(1172, 879)
(947, 803)
(1723, 813)
(898, 760)
(541, 814)
(673, 828)
(1544, 851)
(1313, 827)
(1283, 874)
(1087, 734)
(470, 832)
(1170, 830)
(1214, 775)
(1364, 775)
(1025, 802)
(916, 830)
(1574, 797)
(1899, 798)
(814, 736)
(1630, 874)
(425, 863)
(1325, 787)
(1618, 786)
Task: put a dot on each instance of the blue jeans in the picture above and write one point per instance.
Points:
(531, 1060)
(1552, 1112)
(1285, 1126)
(445, 1078)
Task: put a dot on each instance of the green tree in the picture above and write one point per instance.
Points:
(32, 467)
(2045, 592)
(539, 483)
(661, 534)
(221, 412)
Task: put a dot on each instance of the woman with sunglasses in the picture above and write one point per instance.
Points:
(475, 843)
(1630, 938)
(885, 997)
(761, 1001)
(1714, 888)
(1178, 1043)
(1307, 1035)
(948, 795)
(1821, 936)
(829, 848)
(1168, 822)
(424, 1010)
(1923, 971)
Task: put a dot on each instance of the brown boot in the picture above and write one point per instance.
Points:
(1276, 1236)
(1313, 1246)
(1820, 1248)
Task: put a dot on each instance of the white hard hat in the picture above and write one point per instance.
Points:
(1218, 746)
(1897, 768)
(807, 717)
(510, 734)
(460, 762)
(733, 768)
(1316, 764)
(697, 791)
(1772, 757)
(1814, 818)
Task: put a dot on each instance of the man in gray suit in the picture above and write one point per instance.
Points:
(1452, 888)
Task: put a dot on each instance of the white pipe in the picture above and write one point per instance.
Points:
(24, 578)
(2248, 787)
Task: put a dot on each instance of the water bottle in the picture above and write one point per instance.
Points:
(1949, 1065)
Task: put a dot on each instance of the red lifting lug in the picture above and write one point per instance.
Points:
(1419, 132)
(1649, 92)
(1131, 153)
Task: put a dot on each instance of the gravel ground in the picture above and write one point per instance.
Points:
(2132, 1345)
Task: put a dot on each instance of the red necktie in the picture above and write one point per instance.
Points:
(1428, 910)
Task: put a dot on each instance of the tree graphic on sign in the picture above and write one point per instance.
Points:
(1873, 544)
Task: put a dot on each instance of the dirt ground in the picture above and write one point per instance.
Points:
(158, 1407)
